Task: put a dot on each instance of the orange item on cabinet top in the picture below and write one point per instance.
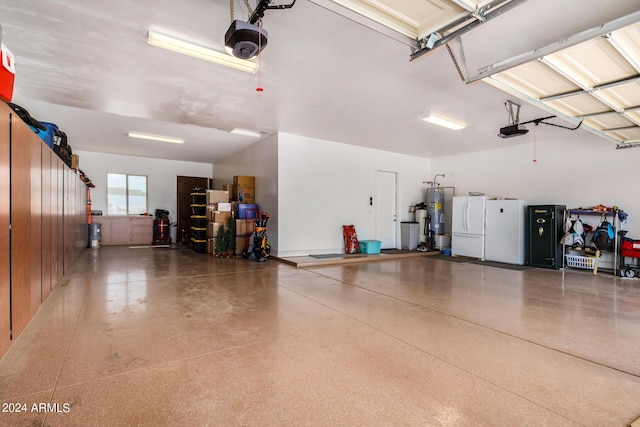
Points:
(7, 74)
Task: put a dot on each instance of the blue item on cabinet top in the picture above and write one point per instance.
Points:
(51, 130)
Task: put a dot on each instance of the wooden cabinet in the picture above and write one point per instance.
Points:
(43, 223)
(125, 230)
(22, 143)
(5, 278)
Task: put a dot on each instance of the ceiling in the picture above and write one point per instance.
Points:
(88, 68)
(595, 81)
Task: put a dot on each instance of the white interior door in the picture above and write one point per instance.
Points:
(386, 209)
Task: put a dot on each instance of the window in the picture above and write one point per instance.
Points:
(126, 194)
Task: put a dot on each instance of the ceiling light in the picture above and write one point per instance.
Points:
(201, 52)
(443, 122)
(160, 138)
(246, 132)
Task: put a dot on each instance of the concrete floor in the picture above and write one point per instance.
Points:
(168, 337)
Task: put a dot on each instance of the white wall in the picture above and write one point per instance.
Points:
(162, 182)
(259, 160)
(323, 185)
(579, 170)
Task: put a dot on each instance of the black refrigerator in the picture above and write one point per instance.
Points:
(544, 231)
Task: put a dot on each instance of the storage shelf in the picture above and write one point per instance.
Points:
(615, 214)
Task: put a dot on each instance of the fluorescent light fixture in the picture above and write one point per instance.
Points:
(246, 132)
(160, 138)
(201, 52)
(443, 122)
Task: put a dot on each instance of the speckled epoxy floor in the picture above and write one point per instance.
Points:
(169, 337)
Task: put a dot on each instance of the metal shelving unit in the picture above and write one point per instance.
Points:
(568, 213)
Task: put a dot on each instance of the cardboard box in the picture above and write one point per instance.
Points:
(221, 207)
(215, 196)
(228, 187)
(221, 217)
(241, 244)
(245, 227)
(212, 228)
(247, 181)
(211, 212)
(214, 215)
(75, 162)
(211, 246)
(244, 194)
(244, 189)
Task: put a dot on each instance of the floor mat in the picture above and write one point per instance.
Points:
(449, 258)
(328, 256)
(396, 251)
(479, 262)
(501, 265)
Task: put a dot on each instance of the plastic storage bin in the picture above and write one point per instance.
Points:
(199, 198)
(370, 246)
(578, 261)
(199, 233)
(198, 210)
(246, 210)
(199, 221)
(199, 246)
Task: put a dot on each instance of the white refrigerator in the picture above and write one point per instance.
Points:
(467, 226)
(504, 239)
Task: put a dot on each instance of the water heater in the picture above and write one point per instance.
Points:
(435, 209)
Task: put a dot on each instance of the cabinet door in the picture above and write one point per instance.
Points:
(5, 278)
(20, 224)
(46, 221)
(35, 246)
(142, 231)
(60, 219)
(120, 230)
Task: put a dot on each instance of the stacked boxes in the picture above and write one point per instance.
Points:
(244, 189)
(243, 209)
(218, 212)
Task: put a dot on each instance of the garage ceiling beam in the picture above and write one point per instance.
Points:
(578, 38)
(351, 15)
(492, 10)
